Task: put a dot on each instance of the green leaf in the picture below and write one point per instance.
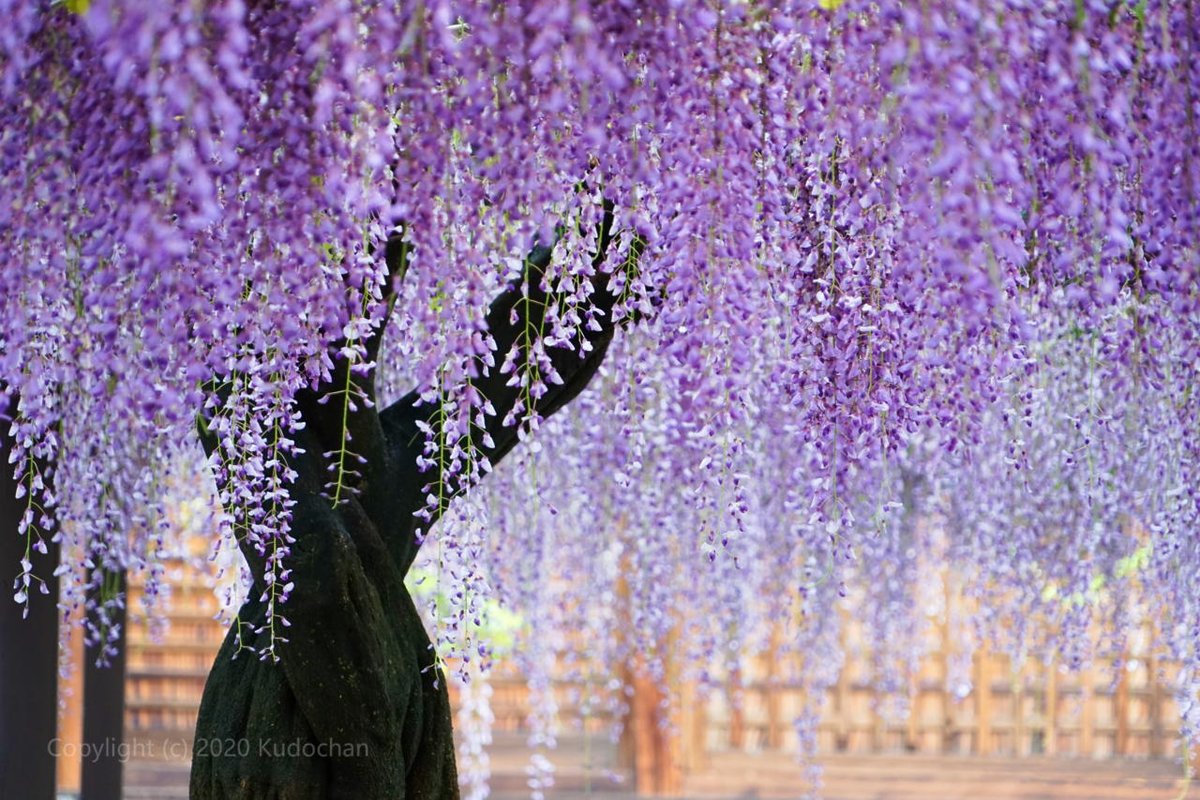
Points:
(1133, 563)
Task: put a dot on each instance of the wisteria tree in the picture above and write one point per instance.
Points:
(878, 283)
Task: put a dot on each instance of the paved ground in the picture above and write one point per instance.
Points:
(909, 777)
(743, 777)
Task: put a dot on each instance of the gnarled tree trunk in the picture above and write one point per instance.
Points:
(355, 708)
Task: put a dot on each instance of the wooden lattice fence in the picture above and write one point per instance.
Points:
(1037, 710)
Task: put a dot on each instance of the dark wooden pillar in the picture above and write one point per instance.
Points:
(28, 655)
(104, 716)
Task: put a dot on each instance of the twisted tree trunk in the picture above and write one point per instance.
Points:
(355, 707)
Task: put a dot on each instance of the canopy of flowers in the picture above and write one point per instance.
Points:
(898, 281)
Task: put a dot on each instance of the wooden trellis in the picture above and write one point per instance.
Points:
(1035, 711)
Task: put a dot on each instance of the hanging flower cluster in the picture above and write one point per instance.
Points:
(875, 264)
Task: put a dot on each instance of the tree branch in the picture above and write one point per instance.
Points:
(341, 410)
(383, 479)
(517, 310)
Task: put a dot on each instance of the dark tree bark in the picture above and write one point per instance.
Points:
(355, 708)
(28, 656)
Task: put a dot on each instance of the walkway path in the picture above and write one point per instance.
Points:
(740, 776)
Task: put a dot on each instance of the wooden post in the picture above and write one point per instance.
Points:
(1121, 710)
(1157, 740)
(104, 713)
(947, 705)
(983, 701)
(70, 724)
(28, 652)
(774, 714)
(737, 712)
(877, 722)
(650, 748)
(912, 733)
(1022, 739)
(840, 697)
(692, 726)
(1051, 721)
(671, 739)
(1087, 722)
